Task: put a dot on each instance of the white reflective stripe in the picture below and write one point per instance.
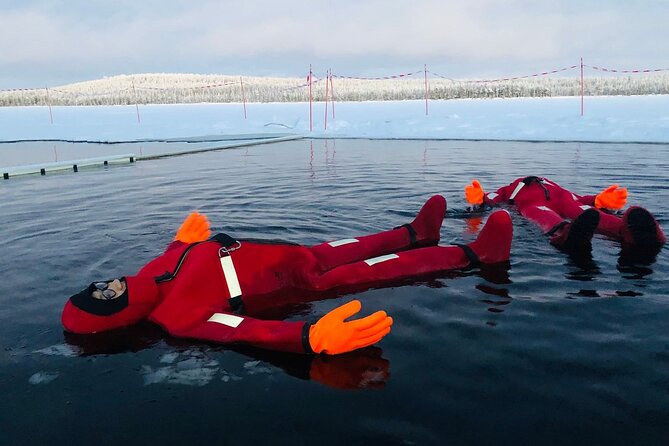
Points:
(375, 260)
(544, 208)
(226, 319)
(519, 186)
(345, 241)
(231, 276)
(585, 207)
(492, 195)
(574, 197)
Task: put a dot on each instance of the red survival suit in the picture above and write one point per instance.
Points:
(207, 290)
(548, 205)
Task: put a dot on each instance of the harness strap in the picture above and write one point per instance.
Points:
(305, 338)
(526, 182)
(519, 186)
(474, 260)
(232, 281)
(412, 232)
(229, 244)
(556, 228)
(224, 239)
(541, 182)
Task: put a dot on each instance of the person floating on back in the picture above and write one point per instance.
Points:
(209, 288)
(571, 220)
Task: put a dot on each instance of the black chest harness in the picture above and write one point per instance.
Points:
(227, 245)
(526, 182)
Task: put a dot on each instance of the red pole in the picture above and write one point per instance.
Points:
(136, 106)
(581, 86)
(310, 102)
(332, 94)
(243, 95)
(48, 102)
(327, 85)
(425, 72)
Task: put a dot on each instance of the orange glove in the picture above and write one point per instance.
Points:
(474, 193)
(332, 335)
(195, 228)
(613, 197)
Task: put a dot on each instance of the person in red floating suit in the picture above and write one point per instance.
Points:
(570, 220)
(210, 288)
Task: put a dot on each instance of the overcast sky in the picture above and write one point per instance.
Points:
(61, 41)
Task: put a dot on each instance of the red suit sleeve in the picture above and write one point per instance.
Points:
(183, 315)
(230, 328)
(174, 245)
(586, 199)
(501, 195)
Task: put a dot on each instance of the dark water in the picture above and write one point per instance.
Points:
(547, 352)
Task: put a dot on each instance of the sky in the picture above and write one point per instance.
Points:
(51, 43)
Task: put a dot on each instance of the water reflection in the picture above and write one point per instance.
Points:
(196, 364)
(601, 293)
(638, 259)
(330, 164)
(360, 369)
(495, 275)
(329, 161)
(634, 271)
(585, 267)
(474, 224)
(312, 174)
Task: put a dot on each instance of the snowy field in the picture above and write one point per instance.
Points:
(606, 119)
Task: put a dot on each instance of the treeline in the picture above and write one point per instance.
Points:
(191, 88)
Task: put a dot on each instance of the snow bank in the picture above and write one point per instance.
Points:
(606, 119)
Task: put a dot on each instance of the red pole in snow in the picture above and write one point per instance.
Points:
(243, 95)
(48, 102)
(136, 106)
(327, 85)
(425, 72)
(332, 94)
(310, 102)
(581, 86)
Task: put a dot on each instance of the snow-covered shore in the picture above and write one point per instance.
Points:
(606, 119)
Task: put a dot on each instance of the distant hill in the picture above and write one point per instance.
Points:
(196, 88)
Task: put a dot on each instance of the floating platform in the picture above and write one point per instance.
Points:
(188, 146)
(250, 140)
(73, 165)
